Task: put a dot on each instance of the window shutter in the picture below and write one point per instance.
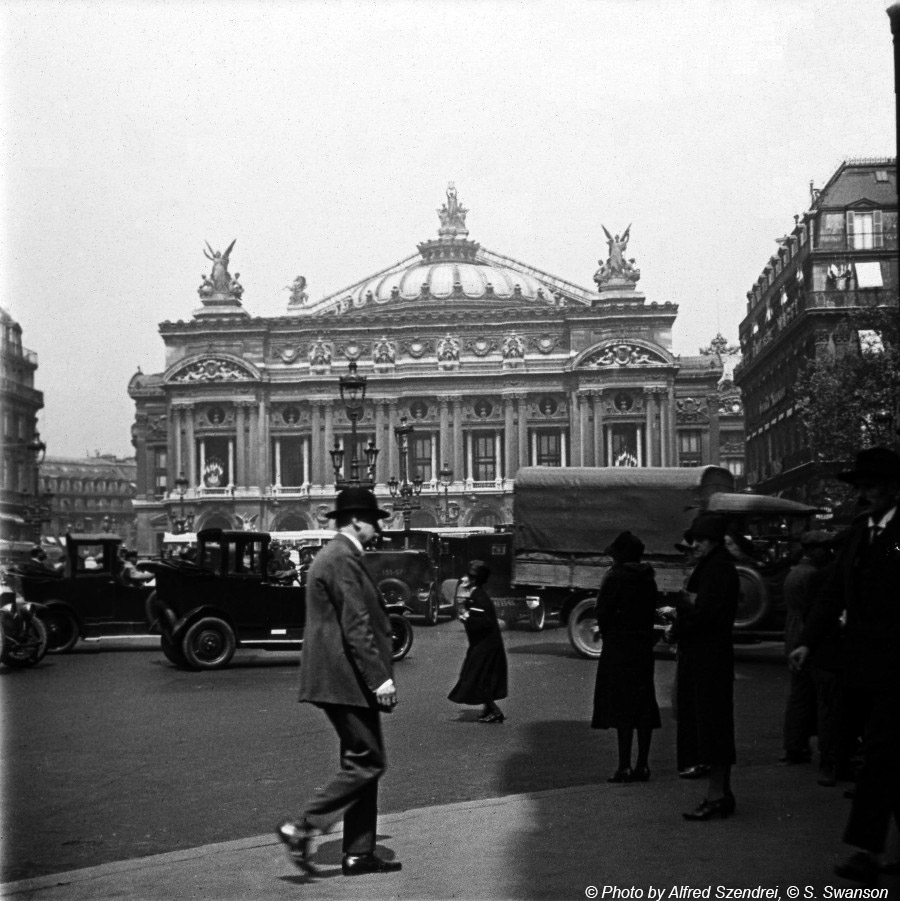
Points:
(877, 228)
(849, 228)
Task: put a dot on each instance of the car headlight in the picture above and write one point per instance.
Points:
(533, 602)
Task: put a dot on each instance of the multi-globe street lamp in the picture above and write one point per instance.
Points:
(181, 522)
(353, 393)
(402, 488)
(446, 477)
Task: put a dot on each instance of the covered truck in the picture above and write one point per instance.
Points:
(564, 517)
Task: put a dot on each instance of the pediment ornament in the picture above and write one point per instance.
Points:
(215, 369)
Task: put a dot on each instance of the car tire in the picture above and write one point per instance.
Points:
(395, 591)
(62, 630)
(208, 644)
(754, 602)
(537, 618)
(432, 608)
(582, 622)
(19, 658)
(401, 636)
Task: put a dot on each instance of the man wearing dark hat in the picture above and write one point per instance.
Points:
(346, 669)
(800, 588)
(865, 590)
(705, 667)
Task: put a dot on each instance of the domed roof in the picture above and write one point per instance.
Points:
(452, 268)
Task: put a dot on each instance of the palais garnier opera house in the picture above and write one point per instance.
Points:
(484, 363)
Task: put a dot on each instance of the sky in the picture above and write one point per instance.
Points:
(321, 135)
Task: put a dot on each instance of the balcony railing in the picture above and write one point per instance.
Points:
(842, 242)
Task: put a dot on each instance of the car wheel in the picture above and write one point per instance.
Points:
(395, 591)
(537, 617)
(62, 630)
(208, 643)
(582, 623)
(754, 602)
(30, 647)
(401, 636)
(172, 651)
(433, 607)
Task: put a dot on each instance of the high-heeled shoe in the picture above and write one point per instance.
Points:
(706, 810)
(623, 774)
(640, 774)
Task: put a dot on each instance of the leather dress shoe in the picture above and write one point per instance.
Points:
(360, 864)
(298, 838)
(640, 774)
(623, 774)
(700, 771)
(859, 867)
(707, 810)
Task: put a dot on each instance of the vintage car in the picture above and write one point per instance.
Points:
(227, 598)
(89, 597)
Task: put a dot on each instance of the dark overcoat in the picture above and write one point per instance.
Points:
(483, 676)
(705, 671)
(347, 641)
(624, 693)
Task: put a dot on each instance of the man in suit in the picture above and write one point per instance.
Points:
(864, 589)
(346, 670)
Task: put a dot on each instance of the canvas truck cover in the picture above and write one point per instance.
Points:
(580, 510)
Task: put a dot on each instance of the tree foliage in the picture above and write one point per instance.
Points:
(850, 401)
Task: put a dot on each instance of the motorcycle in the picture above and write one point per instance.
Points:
(23, 635)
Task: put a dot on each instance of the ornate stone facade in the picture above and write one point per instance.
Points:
(494, 363)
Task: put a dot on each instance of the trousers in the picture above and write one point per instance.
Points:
(353, 792)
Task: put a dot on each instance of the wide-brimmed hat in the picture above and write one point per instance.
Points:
(877, 463)
(625, 547)
(706, 525)
(357, 500)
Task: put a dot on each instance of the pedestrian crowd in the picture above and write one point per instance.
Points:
(841, 641)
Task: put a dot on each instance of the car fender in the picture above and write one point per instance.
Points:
(58, 604)
(185, 621)
(400, 609)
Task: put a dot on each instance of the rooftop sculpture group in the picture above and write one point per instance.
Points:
(617, 271)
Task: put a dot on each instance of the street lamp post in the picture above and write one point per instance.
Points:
(353, 393)
(446, 477)
(404, 489)
(182, 523)
(36, 506)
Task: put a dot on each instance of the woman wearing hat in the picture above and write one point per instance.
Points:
(624, 694)
(482, 679)
(705, 669)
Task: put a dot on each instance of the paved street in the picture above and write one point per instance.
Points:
(112, 754)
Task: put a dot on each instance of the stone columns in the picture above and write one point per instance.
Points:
(239, 476)
(189, 452)
(326, 473)
(575, 427)
(587, 433)
(672, 446)
(393, 459)
(261, 439)
(652, 442)
(712, 402)
(315, 434)
(380, 443)
(597, 402)
(446, 449)
(523, 433)
(511, 461)
(458, 464)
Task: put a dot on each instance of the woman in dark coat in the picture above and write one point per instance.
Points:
(482, 679)
(705, 674)
(624, 694)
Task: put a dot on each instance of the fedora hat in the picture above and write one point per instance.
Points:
(625, 547)
(706, 525)
(478, 570)
(357, 500)
(876, 463)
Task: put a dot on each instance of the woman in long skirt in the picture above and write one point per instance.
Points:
(624, 693)
(482, 679)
